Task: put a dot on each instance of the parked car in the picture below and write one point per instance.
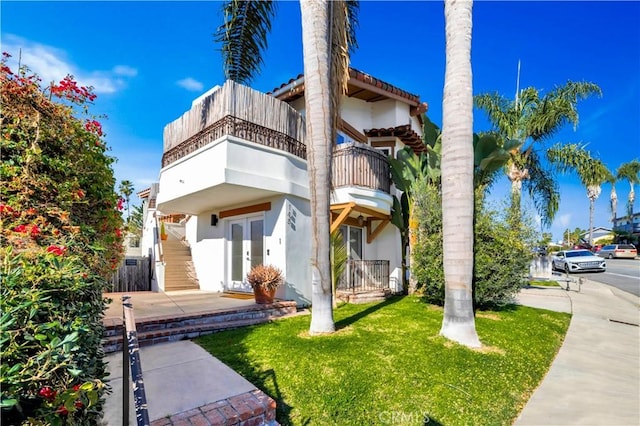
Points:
(539, 251)
(577, 261)
(626, 251)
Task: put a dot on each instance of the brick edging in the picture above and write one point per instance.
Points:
(247, 409)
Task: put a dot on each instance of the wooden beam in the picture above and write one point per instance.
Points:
(352, 131)
(341, 217)
(372, 235)
(245, 210)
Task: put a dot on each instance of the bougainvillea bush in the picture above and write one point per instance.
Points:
(60, 238)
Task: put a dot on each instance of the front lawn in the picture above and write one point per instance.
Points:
(386, 364)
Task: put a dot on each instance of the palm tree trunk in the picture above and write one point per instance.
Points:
(516, 176)
(457, 177)
(319, 117)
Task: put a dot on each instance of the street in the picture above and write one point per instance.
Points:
(623, 274)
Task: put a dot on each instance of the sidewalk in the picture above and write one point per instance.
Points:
(595, 378)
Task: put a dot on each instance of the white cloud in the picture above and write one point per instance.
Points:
(565, 219)
(125, 70)
(190, 84)
(52, 64)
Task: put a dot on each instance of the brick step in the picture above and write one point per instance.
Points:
(159, 330)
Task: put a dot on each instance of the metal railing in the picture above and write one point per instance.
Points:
(364, 275)
(360, 165)
(131, 360)
(240, 128)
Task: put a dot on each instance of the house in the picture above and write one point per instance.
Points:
(599, 234)
(628, 225)
(234, 190)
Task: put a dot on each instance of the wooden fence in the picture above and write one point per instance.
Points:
(134, 274)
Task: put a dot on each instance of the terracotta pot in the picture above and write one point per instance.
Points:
(263, 296)
(163, 237)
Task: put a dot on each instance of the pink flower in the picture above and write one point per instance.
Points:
(120, 204)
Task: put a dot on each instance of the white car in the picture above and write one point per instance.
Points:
(578, 261)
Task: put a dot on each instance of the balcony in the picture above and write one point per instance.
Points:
(361, 176)
(235, 145)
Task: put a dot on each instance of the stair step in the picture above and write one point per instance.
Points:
(191, 326)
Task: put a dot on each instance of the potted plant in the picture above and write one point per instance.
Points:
(163, 232)
(264, 280)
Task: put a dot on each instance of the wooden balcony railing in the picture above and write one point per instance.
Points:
(239, 128)
(360, 165)
(364, 275)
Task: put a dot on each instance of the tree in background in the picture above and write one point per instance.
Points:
(591, 171)
(327, 37)
(458, 323)
(533, 119)
(631, 173)
(60, 238)
(126, 189)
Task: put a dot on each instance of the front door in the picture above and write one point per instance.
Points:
(246, 250)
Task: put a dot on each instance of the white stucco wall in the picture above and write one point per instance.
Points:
(297, 227)
(188, 185)
(286, 245)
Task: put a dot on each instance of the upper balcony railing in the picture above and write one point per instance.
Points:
(235, 110)
(233, 126)
(360, 165)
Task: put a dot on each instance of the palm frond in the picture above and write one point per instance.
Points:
(542, 188)
(243, 37)
(558, 108)
(500, 112)
(629, 171)
(575, 157)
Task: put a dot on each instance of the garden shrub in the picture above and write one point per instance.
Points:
(501, 252)
(60, 238)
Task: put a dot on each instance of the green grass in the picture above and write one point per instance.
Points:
(387, 364)
(544, 283)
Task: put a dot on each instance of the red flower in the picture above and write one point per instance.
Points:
(80, 194)
(47, 393)
(31, 211)
(5, 208)
(76, 387)
(35, 230)
(118, 233)
(20, 228)
(120, 204)
(57, 250)
(62, 411)
(78, 404)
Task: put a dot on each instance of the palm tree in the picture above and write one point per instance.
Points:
(126, 189)
(458, 323)
(327, 35)
(631, 172)
(533, 119)
(592, 172)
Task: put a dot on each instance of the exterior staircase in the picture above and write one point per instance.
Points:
(179, 271)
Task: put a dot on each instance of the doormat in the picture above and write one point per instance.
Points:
(238, 295)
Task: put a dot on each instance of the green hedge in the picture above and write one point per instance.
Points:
(501, 253)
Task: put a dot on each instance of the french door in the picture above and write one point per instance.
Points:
(245, 249)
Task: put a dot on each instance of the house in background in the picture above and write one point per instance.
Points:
(599, 234)
(233, 189)
(629, 225)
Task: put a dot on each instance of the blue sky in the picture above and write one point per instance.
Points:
(148, 60)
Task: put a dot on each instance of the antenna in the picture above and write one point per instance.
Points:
(518, 84)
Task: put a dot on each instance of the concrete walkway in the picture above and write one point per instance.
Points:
(595, 378)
